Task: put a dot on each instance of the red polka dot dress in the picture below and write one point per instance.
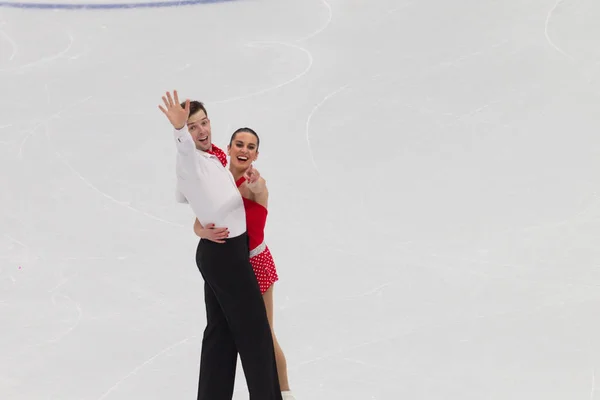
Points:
(260, 256)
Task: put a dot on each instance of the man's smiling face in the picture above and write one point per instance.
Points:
(199, 127)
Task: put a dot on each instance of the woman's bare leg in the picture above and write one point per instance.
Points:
(279, 357)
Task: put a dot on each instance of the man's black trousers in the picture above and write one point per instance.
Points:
(236, 323)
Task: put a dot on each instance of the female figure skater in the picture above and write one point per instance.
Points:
(243, 151)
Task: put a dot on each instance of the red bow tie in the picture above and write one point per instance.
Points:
(220, 154)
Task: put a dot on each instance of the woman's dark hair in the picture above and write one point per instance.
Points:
(245, 130)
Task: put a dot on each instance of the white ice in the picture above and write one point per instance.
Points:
(434, 169)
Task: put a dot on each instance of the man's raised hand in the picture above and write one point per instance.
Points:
(176, 114)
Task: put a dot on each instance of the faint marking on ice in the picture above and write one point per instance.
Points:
(381, 17)
(106, 195)
(31, 131)
(546, 25)
(85, 51)
(73, 326)
(430, 69)
(139, 367)
(184, 67)
(28, 134)
(279, 86)
(370, 292)
(592, 394)
(401, 7)
(366, 364)
(44, 59)
(566, 221)
(314, 110)
(435, 325)
(470, 114)
(81, 177)
(321, 29)
(95, 258)
(378, 289)
(16, 241)
(12, 43)
(62, 335)
(64, 280)
(584, 215)
(29, 256)
(47, 89)
(510, 272)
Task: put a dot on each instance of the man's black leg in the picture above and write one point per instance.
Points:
(219, 353)
(226, 267)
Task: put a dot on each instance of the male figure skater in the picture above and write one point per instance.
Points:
(236, 314)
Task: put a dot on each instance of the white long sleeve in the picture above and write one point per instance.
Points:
(180, 198)
(207, 186)
(187, 155)
(184, 142)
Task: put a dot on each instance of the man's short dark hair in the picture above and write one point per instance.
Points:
(195, 106)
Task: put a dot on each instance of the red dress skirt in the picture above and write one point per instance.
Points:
(260, 255)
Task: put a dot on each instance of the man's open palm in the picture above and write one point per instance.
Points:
(176, 114)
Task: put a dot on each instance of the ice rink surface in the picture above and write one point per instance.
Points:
(434, 169)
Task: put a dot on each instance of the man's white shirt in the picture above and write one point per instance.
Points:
(207, 186)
